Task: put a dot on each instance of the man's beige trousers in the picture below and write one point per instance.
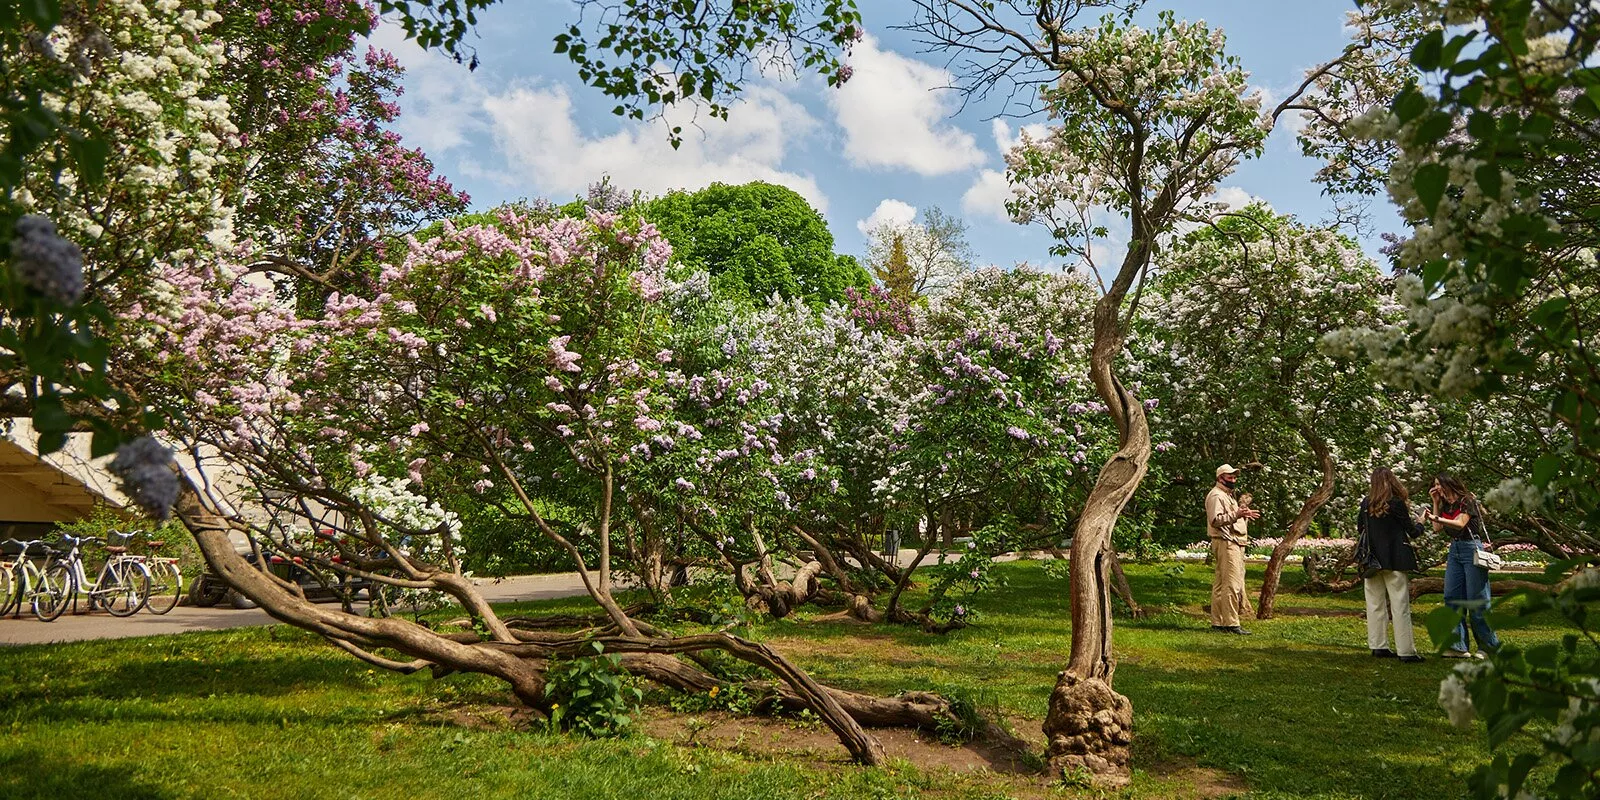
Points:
(1227, 588)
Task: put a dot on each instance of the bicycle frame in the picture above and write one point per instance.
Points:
(78, 578)
(25, 572)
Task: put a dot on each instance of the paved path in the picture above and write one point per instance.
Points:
(81, 627)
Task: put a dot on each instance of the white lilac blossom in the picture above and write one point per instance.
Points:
(45, 261)
(148, 475)
(407, 511)
(1454, 696)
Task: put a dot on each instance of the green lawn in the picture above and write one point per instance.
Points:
(1298, 710)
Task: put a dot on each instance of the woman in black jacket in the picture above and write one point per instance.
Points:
(1385, 528)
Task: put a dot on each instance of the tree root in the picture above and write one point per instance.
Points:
(1091, 730)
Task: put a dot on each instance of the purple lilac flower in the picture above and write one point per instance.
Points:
(46, 262)
(148, 475)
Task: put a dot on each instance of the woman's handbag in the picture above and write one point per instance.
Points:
(1485, 559)
(1481, 557)
(1367, 564)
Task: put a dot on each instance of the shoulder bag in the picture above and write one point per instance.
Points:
(1481, 557)
(1367, 563)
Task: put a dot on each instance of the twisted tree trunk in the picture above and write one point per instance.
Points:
(1302, 522)
(1089, 726)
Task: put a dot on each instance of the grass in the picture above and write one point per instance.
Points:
(1298, 710)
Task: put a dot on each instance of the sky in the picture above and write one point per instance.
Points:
(889, 143)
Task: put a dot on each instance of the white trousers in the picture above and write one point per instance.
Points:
(1389, 599)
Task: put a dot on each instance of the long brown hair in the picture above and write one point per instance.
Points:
(1453, 485)
(1385, 488)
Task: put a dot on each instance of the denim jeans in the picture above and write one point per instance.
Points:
(1465, 581)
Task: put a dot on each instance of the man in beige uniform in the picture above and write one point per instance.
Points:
(1228, 526)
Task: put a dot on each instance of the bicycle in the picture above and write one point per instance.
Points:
(166, 580)
(121, 587)
(19, 575)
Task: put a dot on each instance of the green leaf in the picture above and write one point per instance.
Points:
(104, 443)
(44, 14)
(51, 441)
(1545, 467)
(1429, 182)
(1506, 725)
(50, 415)
(1428, 50)
(1433, 128)
(1441, 623)
(1434, 271)
(91, 153)
(1409, 104)
(1489, 179)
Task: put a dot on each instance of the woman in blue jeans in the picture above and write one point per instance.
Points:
(1456, 511)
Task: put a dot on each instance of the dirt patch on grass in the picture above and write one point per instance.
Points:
(766, 736)
(487, 717)
(998, 763)
(1196, 782)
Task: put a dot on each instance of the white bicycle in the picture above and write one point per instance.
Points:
(121, 588)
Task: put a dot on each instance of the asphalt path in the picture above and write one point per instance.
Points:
(24, 629)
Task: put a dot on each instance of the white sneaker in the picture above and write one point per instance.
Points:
(1455, 654)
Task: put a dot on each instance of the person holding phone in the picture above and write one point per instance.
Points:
(1228, 525)
(1458, 513)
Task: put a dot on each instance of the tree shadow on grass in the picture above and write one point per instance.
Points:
(241, 690)
(31, 774)
(1301, 720)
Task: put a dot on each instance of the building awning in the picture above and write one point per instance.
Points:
(60, 487)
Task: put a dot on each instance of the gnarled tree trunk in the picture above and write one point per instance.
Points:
(522, 659)
(1302, 522)
(1089, 726)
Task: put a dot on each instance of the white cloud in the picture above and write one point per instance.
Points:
(539, 148)
(534, 127)
(1233, 198)
(891, 212)
(987, 196)
(894, 114)
(989, 192)
(1003, 140)
(443, 101)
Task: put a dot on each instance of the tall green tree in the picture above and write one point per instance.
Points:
(756, 240)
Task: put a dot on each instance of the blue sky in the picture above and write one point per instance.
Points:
(884, 146)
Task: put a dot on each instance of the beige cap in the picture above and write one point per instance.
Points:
(1225, 469)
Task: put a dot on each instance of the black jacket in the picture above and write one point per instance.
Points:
(1388, 535)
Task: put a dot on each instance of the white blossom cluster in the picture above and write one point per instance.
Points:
(1454, 696)
(411, 513)
(1197, 119)
(142, 72)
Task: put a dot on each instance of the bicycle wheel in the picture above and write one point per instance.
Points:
(9, 584)
(53, 592)
(166, 587)
(207, 591)
(124, 588)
